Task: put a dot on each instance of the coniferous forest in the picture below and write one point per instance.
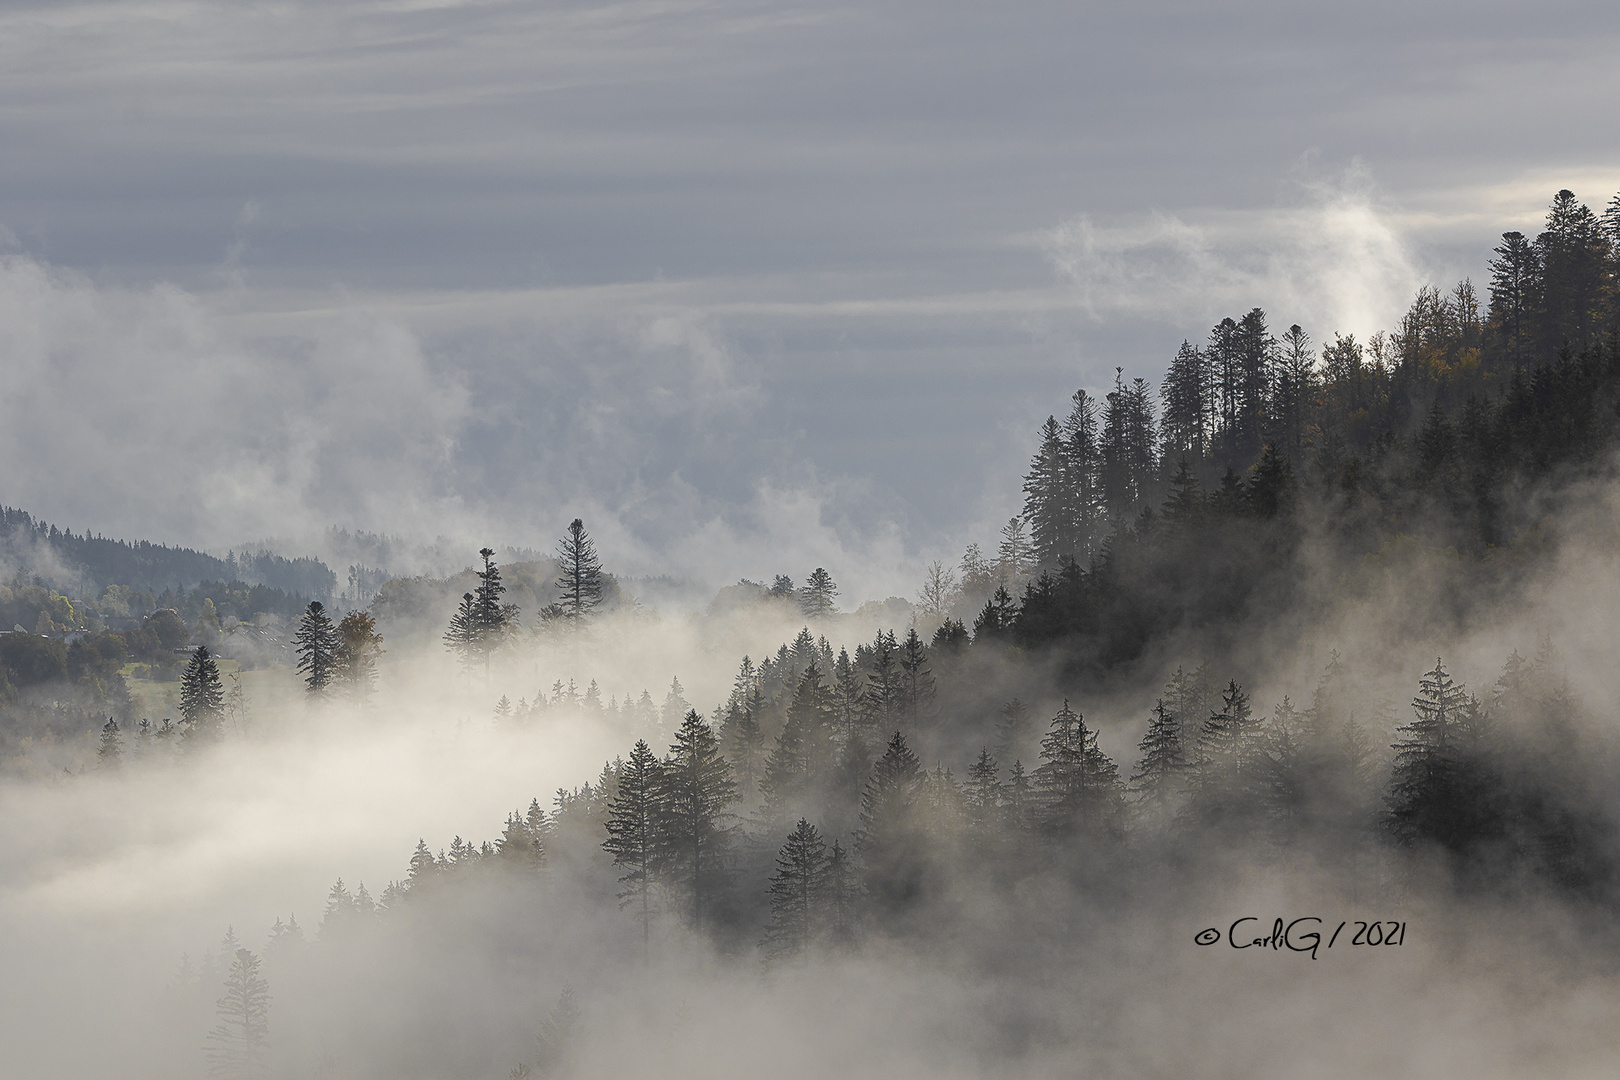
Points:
(1304, 629)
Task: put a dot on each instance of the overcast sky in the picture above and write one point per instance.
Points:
(751, 286)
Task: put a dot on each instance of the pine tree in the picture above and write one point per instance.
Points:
(634, 821)
(1184, 395)
(1012, 730)
(202, 698)
(983, 792)
(317, 644)
(675, 705)
(1439, 790)
(285, 938)
(425, 869)
(1046, 498)
(803, 748)
(1077, 782)
(580, 578)
(697, 790)
(238, 1047)
(1574, 270)
(842, 891)
(1515, 293)
(339, 918)
(890, 838)
(743, 739)
(461, 637)
(1296, 389)
(1015, 556)
(1158, 772)
(916, 680)
(1228, 771)
(816, 598)
(111, 750)
(1082, 502)
(881, 699)
(797, 895)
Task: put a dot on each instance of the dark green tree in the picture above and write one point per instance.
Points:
(202, 698)
(1078, 784)
(1164, 761)
(695, 836)
(317, 644)
(982, 793)
(579, 580)
(797, 896)
(816, 597)
(917, 687)
(1515, 294)
(634, 820)
(891, 840)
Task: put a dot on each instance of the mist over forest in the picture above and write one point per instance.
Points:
(1276, 733)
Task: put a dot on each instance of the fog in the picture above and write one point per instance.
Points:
(111, 875)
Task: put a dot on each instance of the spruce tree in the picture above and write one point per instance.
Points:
(1046, 499)
(1515, 294)
(579, 578)
(797, 895)
(916, 680)
(202, 698)
(238, 1046)
(891, 837)
(842, 889)
(880, 704)
(634, 839)
(983, 792)
(1077, 782)
(1082, 491)
(317, 644)
(461, 636)
(694, 835)
(816, 598)
(1427, 799)
(1184, 428)
(1164, 760)
(802, 753)
(111, 749)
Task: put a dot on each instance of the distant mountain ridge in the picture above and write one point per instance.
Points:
(96, 562)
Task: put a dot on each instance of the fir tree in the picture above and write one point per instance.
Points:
(890, 838)
(110, 752)
(1158, 772)
(202, 699)
(424, 868)
(634, 821)
(580, 578)
(916, 680)
(1081, 514)
(238, 1047)
(697, 789)
(1047, 498)
(1077, 782)
(816, 598)
(461, 636)
(317, 644)
(796, 895)
(983, 792)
